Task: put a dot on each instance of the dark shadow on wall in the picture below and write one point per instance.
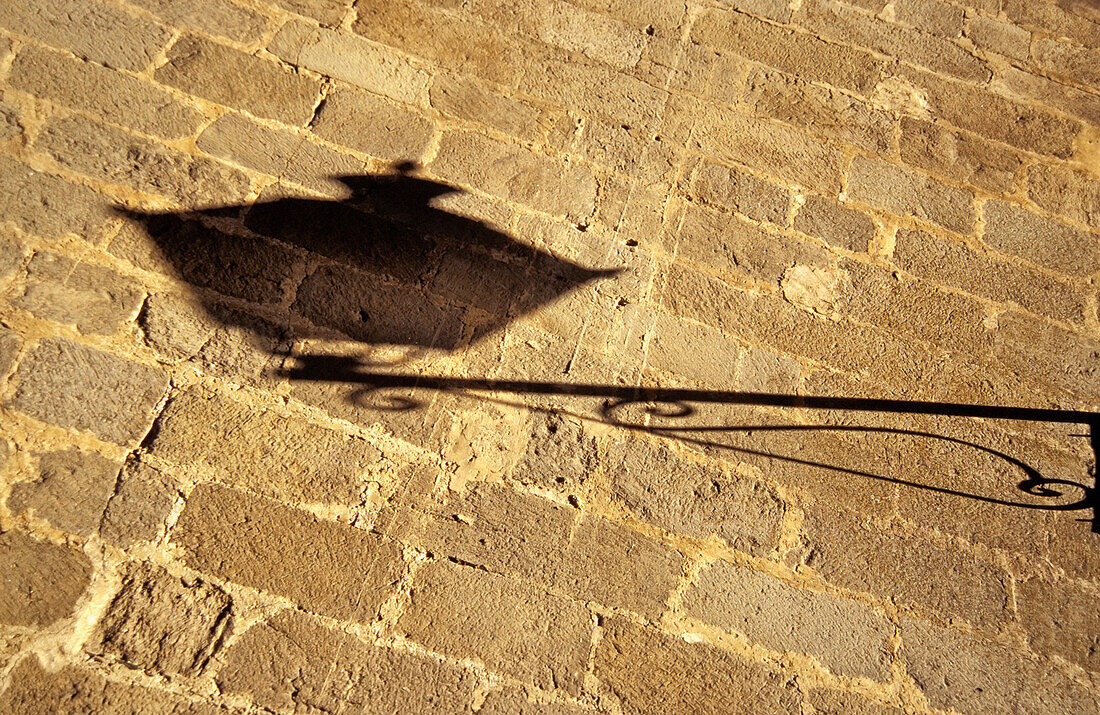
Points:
(399, 270)
(388, 266)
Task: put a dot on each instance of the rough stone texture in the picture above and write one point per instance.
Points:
(217, 17)
(365, 123)
(468, 613)
(163, 623)
(294, 662)
(516, 174)
(1016, 231)
(48, 206)
(109, 95)
(614, 565)
(959, 156)
(957, 266)
(726, 243)
(202, 68)
(41, 581)
(904, 192)
(1061, 619)
(819, 110)
(560, 454)
(351, 60)
(646, 670)
(329, 568)
(736, 191)
(96, 300)
(907, 568)
(973, 676)
(70, 385)
(394, 282)
(832, 221)
(262, 450)
(847, 637)
(697, 500)
(70, 492)
(32, 688)
(278, 153)
(100, 33)
(1072, 194)
(120, 158)
(140, 505)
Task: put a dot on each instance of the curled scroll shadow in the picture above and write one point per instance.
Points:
(376, 391)
(1033, 482)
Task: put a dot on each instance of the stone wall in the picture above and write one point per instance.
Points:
(207, 505)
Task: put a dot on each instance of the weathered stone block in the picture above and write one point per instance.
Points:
(101, 33)
(263, 451)
(215, 17)
(832, 221)
(647, 670)
(840, 23)
(40, 582)
(70, 490)
(907, 193)
(974, 676)
(48, 206)
(847, 637)
(1072, 194)
(1021, 125)
(737, 191)
(111, 95)
(819, 110)
(206, 69)
(731, 244)
(325, 567)
(958, 156)
(946, 582)
(836, 702)
(932, 16)
(163, 623)
(140, 504)
(467, 99)
(700, 353)
(512, 628)
(594, 35)
(798, 53)
(70, 689)
(774, 149)
(115, 156)
(70, 385)
(1016, 231)
(10, 346)
(363, 122)
(452, 41)
(373, 67)
(996, 36)
(1061, 619)
(516, 174)
(957, 266)
(327, 12)
(94, 299)
(292, 662)
(560, 454)
(1068, 61)
(689, 498)
(618, 567)
(493, 527)
(278, 153)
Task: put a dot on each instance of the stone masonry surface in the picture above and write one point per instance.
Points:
(261, 262)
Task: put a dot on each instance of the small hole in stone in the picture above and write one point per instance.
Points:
(631, 242)
(649, 30)
(364, 316)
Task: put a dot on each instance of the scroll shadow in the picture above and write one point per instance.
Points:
(676, 404)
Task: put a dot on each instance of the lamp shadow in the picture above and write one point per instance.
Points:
(390, 265)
